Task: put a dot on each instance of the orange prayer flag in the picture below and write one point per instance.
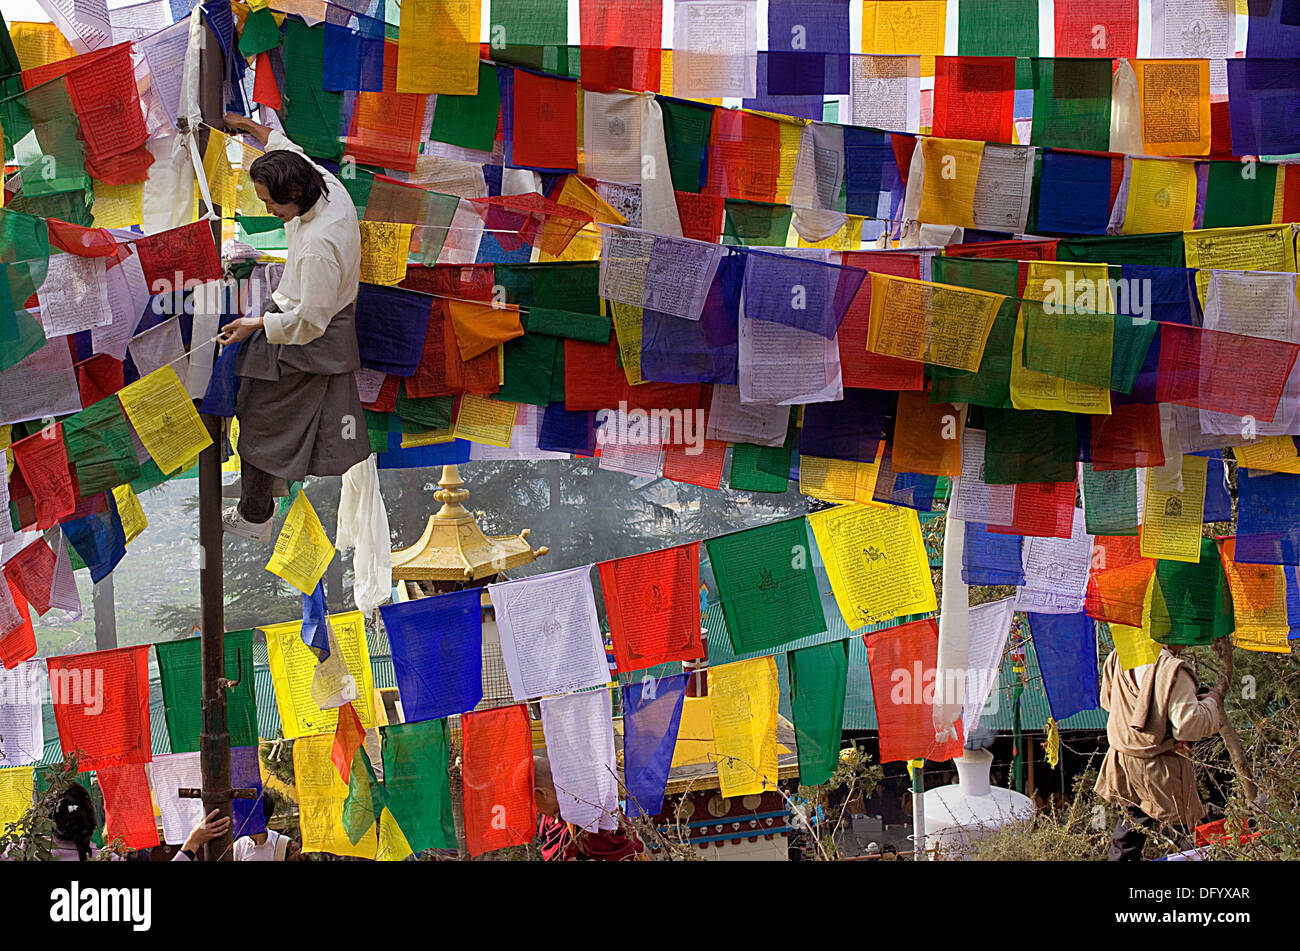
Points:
(349, 735)
(480, 327)
(497, 779)
(927, 436)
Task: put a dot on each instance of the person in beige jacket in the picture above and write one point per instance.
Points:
(1156, 710)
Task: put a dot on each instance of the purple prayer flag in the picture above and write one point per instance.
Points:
(799, 292)
(1264, 106)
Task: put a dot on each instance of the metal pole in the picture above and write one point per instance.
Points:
(105, 614)
(214, 739)
(917, 767)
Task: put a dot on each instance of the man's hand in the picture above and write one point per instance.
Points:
(234, 120)
(237, 330)
(207, 830)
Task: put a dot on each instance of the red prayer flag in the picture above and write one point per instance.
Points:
(265, 89)
(1041, 509)
(703, 468)
(386, 125)
(974, 97)
(1032, 249)
(873, 371)
(620, 44)
(593, 379)
(653, 605)
(1118, 580)
(701, 215)
(904, 662)
(545, 114)
(744, 156)
(1223, 372)
(1221, 132)
(99, 377)
(349, 736)
(1129, 438)
(497, 779)
(43, 459)
(19, 644)
(32, 572)
(86, 242)
(128, 806)
(1106, 29)
(182, 254)
(101, 705)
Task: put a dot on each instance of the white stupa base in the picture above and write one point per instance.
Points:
(957, 815)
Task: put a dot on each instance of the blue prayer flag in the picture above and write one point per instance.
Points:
(990, 557)
(652, 714)
(1066, 647)
(437, 646)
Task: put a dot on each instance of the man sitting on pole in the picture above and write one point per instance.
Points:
(298, 409)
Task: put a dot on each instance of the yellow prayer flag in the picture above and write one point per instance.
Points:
(743, 704)
(1031, 390)
(128, 508)
(1279, 196)
(952, 170)
(293, 668)
(392, 845)
(15, 794)
(385, 246)
(117, 206)
(1175, 97)
(438, 47)
(303, 551)
(791, 135)
(39, 44)
(1255, 248)
(1271, 454)
(216, 169)
(481, 420)
(930, 323)
(890, 27)
(839, 480)
(627, 330)
(1161, 197)
(430, 437)
(165, 419)
(848, 238)
(1134, 645)
(1258, 603)
(876, 562)
(321, 795)
(1171, 521)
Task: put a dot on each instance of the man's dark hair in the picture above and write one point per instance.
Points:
(290, 178)
(268, 806)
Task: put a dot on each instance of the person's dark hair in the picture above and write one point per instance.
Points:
(290, 178)
(74, 818)
(268, 806)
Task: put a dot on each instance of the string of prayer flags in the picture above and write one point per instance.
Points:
(23, 740)
(180, 674)
(550, 635)
(497, 779)
(438, 47)
(743, 708)
(903, 661)
(321, 798)
(1066, 648)
(415, 758)
(876, 562)
(974, 98)
(164, 418)
(931, 323)
(437, 646)
(128, 805)
(818, 675)
(294, 675)
(1190, 602)
(652, 713)
(652, 603)
(766, 585)
(580, 748)
(101, 706)
(303, 551)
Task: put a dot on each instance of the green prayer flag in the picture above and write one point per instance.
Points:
(767, 585)
(1029, 446)
(54, 160)
(377, 428)
(1191, 603)
(1071, 103)
(25, 238)
(98, 441)
(21, 334)
(568, 324)
(1232, 200)
(747, 475)
(424, 413)
(470, 121)
(818, 677)
(990, 385)
(1161, 250)
(366, 800)
(180, 670)
(534, 363)
(313, 116)
(531, 33)
(416, 779)
(756, 223)
(1068, 343)
(1133, 339)
(1110, 501)
(997, 28)
(687, 126)
(261, 33)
